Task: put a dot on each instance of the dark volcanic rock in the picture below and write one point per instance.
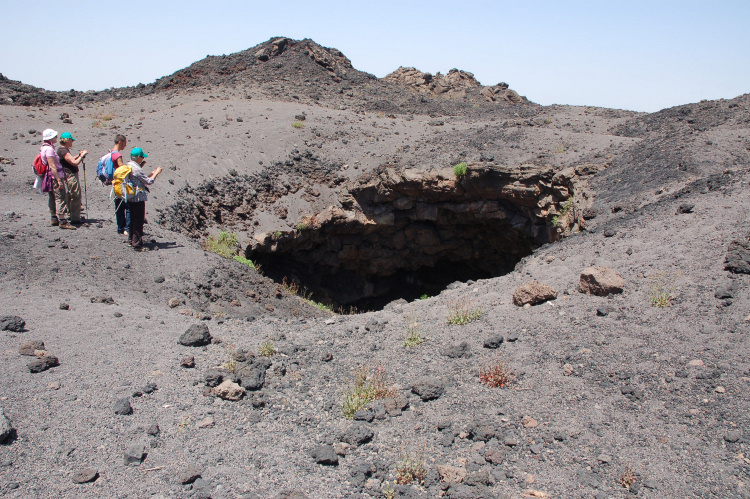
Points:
(12, 323)
(5, 427)
(122, 407)
(85, 475)
(738, 257)
(428, 388)
(251, 377)
(196, 335)
(456, 351)
(324, 454)
(43, 363)
(493, 342)
(134, 455)
(357, 435)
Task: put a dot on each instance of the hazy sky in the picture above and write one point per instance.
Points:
(639, 55)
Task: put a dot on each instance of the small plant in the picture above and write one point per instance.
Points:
(460, 169)
(461, 311)
(388, 491)
(547, 121)
(497, 374)
(410, 469)
(301, 226)
(231, 363)
(248, 262)
(660, 296)
(369, 384)
(627, 477)
(277, 234)
(564, 210)
(413, 333)
(560, 149)
(267, 348)
(424, 296)
(297, 124)
(225, 244)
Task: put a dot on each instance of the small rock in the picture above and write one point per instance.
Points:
(456, 351)
(567, 370)
(428, 388)
(174, 302)
(122, 407)
(340, 448)
(153, 430)
(86, 475)
(609, 232)
(511, 441)
(207, 422)
(43, 363)
(12, 323)
(6, 429)
(493, 342)
(229, 390)
(451, 474)
(150, 387)
(604, 458)
(533, 293)
(357, 435)
(600, 281)
(325, 455)
(55, 385)
(188, 362)
(107, 300)
(64, 306)
(686, 208)
(134, 455)
(733, 436)
(28, 348)
(395, 405)
(326, 357)
(196, 335)
(602, 311)
(720, 389)
(159, 279)
(529, 422)
(189, 475)
(695, 363)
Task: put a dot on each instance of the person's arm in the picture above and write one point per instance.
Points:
(119, 163)
(75, 160)
(155, 173)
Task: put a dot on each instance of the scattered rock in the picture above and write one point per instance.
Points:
(395, 405)
(229, 390)
(357, 435)
(602, 311)
(107, 300)
(6, 429)
(533, 293)
(251, 377)
(196, 335)
(85, 475)
(42, 363)
(733, 436)
(207, 422)
(189, 475)
(428, 388)
(174, 302)
(325, 455)
(451, 474)
(493, 342)
(12, 323)
(738, 257)
(28, 348)
(600, 281)
(456, 351)
(153, 430)
(122, 407)
(686, 208)
(134, 455)
(159, 279)
(64, 306)
(188, 362)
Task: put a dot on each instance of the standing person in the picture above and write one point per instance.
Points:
(70, 165)
(137, 203)
(122, 210)
(57, 196)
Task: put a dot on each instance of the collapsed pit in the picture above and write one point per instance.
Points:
(412, 233)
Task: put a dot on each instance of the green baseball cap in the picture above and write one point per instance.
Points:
(137, 151)
(66, 135)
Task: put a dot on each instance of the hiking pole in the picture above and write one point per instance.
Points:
(85, 197)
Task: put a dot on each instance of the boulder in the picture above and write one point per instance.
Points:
(12, 323)
(42, 363)
(737, 259)
(229, 390)
(533, 293)
(324, 454)
(600, 281)
(428, 388)
(196, 335)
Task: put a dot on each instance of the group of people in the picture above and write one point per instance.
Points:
(64, 189)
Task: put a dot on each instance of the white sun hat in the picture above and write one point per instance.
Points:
(49, 134)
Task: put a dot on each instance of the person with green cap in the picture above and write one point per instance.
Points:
(70, 165)
(137, 203)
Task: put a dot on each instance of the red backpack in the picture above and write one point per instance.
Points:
(39, 167)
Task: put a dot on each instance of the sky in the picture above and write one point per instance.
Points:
(636, 55)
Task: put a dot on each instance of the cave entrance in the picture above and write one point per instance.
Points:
(408, 259)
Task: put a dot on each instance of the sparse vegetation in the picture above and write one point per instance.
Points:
(388, 491)
(411, 468)
(627, 477)
(301, 226)
(231, 363)
(267, 348)
(277, 234)
(497, 374)
(225, 244)
(293, 289)
(560, 149)
(564, 210)
(297, 124)
(460, 169)
(659, 295)
(547, 121)
(413, 333)
(424, 296)
(369, 385)
(462, 311)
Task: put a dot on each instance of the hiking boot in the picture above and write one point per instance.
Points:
(126, 233)
(77, 222)
(54, 222)
(66, 225)
(140, 249)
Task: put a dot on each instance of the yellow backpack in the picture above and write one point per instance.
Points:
(121, 185)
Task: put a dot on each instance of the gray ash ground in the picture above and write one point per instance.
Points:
(607, 388)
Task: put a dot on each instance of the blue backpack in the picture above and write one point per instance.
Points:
(105, 170)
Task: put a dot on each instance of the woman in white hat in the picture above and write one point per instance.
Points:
(57, 197)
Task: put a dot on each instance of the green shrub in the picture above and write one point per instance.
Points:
(660, 296)
(369, 384)
(297, 124)
(411, 469)
(460, 169)
(462, 311)
(249, 263)
(267, 348)
(413, 333)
